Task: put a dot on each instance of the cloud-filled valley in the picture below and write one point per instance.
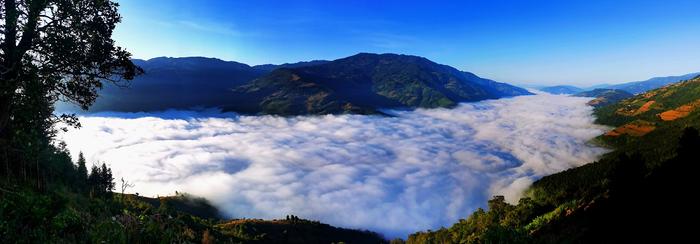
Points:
(417, 170)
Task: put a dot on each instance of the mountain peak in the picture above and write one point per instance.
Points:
(392, 56)
(362, 83)
(366, 83)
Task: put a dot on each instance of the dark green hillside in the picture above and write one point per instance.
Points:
(650, 106)
(270, 67)
(604, 97)
(495, 87)
(66, 216)
(294, 230)
(365, 83)
(630, 195)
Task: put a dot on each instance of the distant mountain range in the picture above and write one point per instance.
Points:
(638, 87)
(270, 67)
(635, 87)
(181, 83)
(604, 97)
(563, 89)
(363, 83)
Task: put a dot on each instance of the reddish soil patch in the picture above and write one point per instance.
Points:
(679, 112)
(633, 112)
(645, 107)
(675, 114)
(637, 128)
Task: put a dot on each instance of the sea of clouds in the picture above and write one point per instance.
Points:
(414, 171)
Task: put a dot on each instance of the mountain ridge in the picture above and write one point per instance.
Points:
(204, 82)
(634, 87)
(562, 89)
(365, 83)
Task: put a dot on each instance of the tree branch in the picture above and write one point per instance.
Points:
(35, 8)
(10, 28)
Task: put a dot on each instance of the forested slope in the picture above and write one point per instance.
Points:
(631, 195)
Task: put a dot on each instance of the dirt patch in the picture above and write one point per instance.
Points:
(679, 112)
(649, 94)
(315, 100)
(634, 112)
(636, 128)
(645, 107)
(596, 101)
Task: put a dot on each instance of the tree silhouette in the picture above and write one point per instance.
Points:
(82, 169)
(51, 50)
(101, 181)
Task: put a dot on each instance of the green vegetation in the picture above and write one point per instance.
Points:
(662, 99)
(66, 216)
(294, 230)
(630, 195)
(44, 196)
(604, 97)
(364, 83)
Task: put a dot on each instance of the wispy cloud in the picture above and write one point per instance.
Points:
(419, 170)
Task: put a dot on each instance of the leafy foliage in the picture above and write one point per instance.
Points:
(101, 181)
(294, 230)
(67, 217)
(51, 50)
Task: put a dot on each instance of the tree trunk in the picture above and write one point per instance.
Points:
(6, 160)
(38, 176)
(5, 146)
(5, 107)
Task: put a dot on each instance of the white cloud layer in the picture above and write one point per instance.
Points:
(418, 170)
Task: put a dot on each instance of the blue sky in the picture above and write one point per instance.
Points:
(523, 42)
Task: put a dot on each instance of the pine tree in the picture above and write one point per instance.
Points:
(82, 170)
(107, 180)
(101, 181)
